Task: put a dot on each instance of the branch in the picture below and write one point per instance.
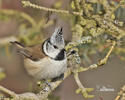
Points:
(29, 4)
(101, 62)
(120, 93)
(83, 40)
(84, 91)
(42, 95)
(81, 88)
(8, 91)
(77, 6)
(104, 61)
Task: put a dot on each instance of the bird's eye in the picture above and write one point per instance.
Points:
(55, 46)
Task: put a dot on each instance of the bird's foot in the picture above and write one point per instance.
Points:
(46, 86)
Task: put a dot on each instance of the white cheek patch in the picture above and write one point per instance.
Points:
(53, 54)
(49, 51)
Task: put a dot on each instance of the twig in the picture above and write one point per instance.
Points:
(104, 61)
(84, 7)
(120, 93)
(78, 81)
(81, 88)
(77, 6)
(29, 4)
(84, 40)
(101, 62)
(11, 93)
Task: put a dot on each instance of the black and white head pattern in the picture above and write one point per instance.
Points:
(54, 46)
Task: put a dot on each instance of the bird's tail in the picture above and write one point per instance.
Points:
(20, 48)
(18, 44)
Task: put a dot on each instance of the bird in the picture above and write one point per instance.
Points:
(46, 60)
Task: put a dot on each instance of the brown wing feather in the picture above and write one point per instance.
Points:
(35, 51)
(32, 52)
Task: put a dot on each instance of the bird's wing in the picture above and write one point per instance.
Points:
(32, 52)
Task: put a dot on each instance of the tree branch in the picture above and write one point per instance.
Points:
(32, 96)
(81, 88)
(104, 61)
(84, 91)
(120, 93)
(8, 91)
(29, 4)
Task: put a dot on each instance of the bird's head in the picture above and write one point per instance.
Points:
(54, 46)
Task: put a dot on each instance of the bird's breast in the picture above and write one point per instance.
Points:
(45, 68)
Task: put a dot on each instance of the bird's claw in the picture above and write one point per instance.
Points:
(45, 87)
